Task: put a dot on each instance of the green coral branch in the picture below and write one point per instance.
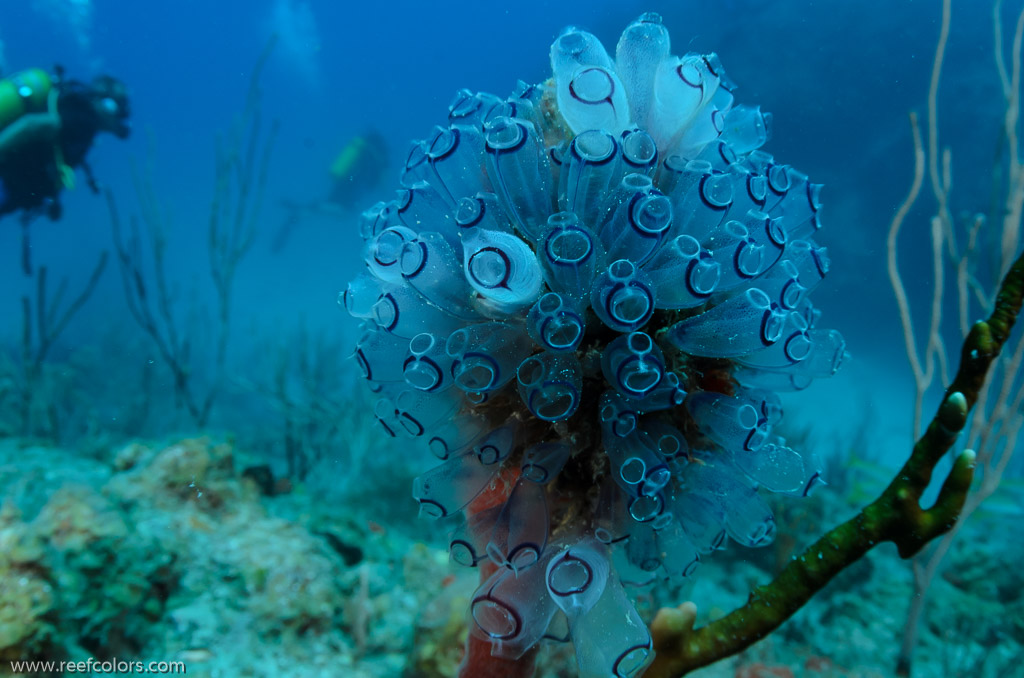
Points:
(895, 516)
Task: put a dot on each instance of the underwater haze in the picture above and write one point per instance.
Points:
(234, 371)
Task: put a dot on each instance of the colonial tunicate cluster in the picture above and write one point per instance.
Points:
(583, 301)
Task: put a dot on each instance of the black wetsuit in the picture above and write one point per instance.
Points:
(30, 177)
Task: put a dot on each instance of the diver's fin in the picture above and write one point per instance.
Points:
(297, 211)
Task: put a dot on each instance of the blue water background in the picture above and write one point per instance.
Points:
(839, 77)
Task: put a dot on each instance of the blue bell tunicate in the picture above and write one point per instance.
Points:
(555, 323)
(519, 172)
(571, 256)
(502, 269)
(622, 296)
(551, 385)
(582, 302)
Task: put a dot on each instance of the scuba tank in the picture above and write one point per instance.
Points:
(345, 163)
(23, 92)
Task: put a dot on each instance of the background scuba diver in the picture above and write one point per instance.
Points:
(47, 126)
(356, 170)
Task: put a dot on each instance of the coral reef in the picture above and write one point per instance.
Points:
(207, 570)
(27, 596)
(284, 577)
(77, 571)
(176, 556)
(583, 301)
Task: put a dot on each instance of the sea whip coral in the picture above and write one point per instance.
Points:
(583, 301)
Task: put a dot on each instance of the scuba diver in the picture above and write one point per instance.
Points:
(356, 171)
(47, 126)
